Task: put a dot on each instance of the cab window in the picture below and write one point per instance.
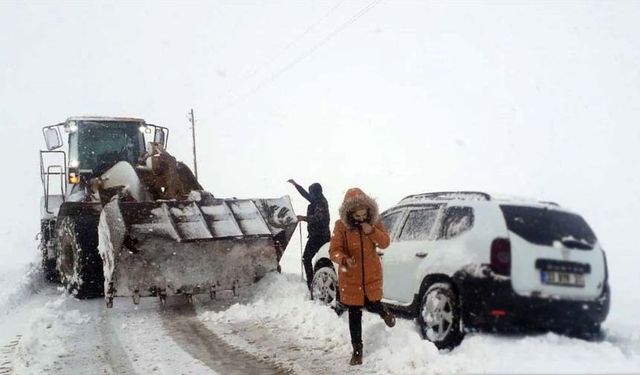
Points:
(101, 145)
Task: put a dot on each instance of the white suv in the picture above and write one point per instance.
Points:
(466, 260)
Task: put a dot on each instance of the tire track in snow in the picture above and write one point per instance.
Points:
(114, 354)
(183, 325)
(7, 355)
(302, 353)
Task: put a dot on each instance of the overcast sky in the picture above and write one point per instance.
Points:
(538, 99)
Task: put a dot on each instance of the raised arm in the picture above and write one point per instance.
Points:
(300, 189)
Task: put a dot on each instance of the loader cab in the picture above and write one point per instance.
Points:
(97, 144)
(94, 145)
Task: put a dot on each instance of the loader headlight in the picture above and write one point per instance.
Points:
(74, 178)
(71, 127)
(145, 129)
(74, 164)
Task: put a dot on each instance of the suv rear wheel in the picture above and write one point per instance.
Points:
(439, 316)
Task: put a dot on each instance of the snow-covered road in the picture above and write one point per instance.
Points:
(183, 326)
(280, 321)
(48, 331)
(61, 335)
(272, 329)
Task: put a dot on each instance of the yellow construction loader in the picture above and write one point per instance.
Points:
(121, 217)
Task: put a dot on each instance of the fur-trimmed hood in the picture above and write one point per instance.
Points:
(357, 198)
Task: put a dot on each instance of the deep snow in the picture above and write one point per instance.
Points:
(279, 320)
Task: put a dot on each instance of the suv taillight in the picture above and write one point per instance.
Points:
(501, 256)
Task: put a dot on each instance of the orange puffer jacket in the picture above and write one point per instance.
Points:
(349, 241)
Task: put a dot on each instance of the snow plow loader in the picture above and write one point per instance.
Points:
(122, 217)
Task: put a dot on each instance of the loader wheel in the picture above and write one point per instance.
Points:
(48, 265)
(79, 262)
(49, 270)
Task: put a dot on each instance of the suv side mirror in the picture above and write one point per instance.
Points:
(52, 138)
(159, 137)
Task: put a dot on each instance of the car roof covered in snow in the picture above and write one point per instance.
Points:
(472, 198)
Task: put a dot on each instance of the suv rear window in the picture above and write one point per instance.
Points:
(457, 220)
(542, 226)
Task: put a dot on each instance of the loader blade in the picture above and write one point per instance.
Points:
(199, 245)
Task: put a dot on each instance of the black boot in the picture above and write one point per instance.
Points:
(356, 357)
(389, 318)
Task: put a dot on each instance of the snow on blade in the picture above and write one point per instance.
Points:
(176, 247)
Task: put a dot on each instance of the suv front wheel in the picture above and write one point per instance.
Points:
(324, 286)
(439, 316)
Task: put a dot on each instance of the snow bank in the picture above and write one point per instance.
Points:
(280, 321)
(17, 283)
(548, 353)
(43, 344)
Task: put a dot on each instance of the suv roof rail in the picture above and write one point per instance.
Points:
(449, 195)
(550, 203)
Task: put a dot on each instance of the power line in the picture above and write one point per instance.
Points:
(298, 59)
(288, 46)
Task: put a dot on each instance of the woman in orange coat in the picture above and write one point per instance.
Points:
(356, 236)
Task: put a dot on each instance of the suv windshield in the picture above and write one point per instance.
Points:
(543, 226)
(99, 146)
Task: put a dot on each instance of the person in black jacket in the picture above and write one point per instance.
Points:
(317, 225)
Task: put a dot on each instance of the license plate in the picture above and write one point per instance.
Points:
(562, 278)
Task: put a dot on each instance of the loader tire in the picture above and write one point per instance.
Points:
(78, 262)
(49, 271)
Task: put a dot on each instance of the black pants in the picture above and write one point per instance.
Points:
(310, 250)
(355, 318)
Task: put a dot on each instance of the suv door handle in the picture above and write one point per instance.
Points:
(380, 253)
(421, 254)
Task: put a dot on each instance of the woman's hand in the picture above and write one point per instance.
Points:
(366, 228)
(350, 262)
